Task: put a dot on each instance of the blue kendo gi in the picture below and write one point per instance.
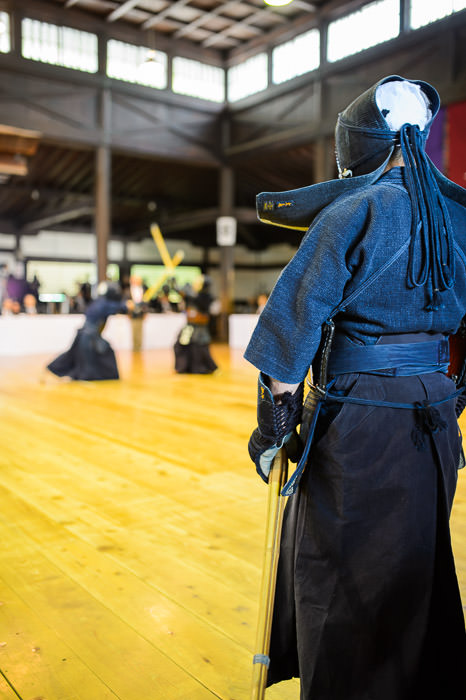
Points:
(367, 602)
(90, 356)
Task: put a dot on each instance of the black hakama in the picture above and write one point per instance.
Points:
(367, 601)
(192, 351)
(90, 357)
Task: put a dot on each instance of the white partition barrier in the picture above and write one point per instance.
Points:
(159, 331)
(240, 328)
(30, 335)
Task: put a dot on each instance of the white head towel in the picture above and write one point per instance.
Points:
(402, 102)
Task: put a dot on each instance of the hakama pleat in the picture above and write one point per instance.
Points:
(367, 604)
(192, 351)
(90, 358)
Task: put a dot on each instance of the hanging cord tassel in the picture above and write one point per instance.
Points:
(431, 229)
(428, 421)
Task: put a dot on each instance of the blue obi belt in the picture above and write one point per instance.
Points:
(389, 357)
(386, 358)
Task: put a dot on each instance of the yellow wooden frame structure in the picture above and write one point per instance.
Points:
(168, 262)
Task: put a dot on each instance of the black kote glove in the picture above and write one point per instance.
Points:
(277, 418)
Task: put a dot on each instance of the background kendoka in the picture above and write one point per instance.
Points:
(367, 605)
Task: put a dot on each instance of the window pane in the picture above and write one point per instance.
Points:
(198, 79)
(5, 46)
(61, 46)
(136, 64)
(247, 78)
(372, 25)
(424, 12)
(298, 56)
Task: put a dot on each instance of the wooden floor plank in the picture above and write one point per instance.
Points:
(121, 657)
(41, 664)
(168, 528)
(164, 622)
(191, 587)
(6, 691)
(178, 487)
(158, 540)
(132, 524)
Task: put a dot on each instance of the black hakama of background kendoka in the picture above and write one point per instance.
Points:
(192, 351)
(367, 600)
(192, 347)
(90, 357)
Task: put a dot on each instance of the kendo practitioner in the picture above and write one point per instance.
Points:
(137, 310)
(192, 347)
(367, 604)
(90, 356)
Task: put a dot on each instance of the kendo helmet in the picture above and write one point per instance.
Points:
(393, 113)
(109, 290)
(367, 133)
(369, 129)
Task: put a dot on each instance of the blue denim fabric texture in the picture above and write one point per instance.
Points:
(296, 209)
(345, 244)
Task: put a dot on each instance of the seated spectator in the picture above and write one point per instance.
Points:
(30, 304)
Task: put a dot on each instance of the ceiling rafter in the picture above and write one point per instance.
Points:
(68, 214)
(224, 25)
(204, 17)
(122, 10)
(246, 22)
(164, 13)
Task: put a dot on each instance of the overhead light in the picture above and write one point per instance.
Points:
(151, 71)
(151, 57)
(277, 3)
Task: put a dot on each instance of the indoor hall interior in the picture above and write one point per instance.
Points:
(132, 517)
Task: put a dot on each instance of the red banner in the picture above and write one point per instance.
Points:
(457, 143)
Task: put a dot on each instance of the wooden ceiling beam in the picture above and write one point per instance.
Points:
(21, 141)
(7, 227)
(83, 198)
(204, 18)
(122, 10)
(307, 6)
(247, 22)
(13, 164)
(202, 217)
(57, 218)
(156, 19)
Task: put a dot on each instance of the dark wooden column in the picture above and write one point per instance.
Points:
(227, 269)
(19, 257)
(102, 208)
(404, 16)
(205, 260)
(15, 30)
(103, 174)
(324, 168)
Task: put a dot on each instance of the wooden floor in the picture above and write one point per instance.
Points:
(132, 528)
